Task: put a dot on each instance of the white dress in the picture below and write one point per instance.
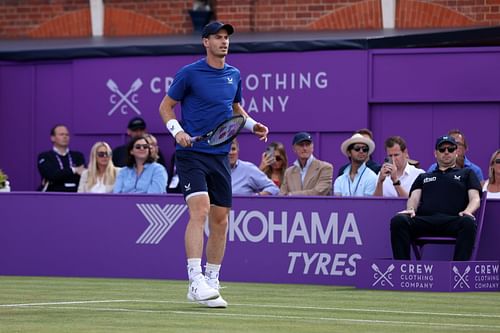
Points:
(490, 195)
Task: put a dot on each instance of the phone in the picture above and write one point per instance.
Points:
(388, 159)
(270, 153)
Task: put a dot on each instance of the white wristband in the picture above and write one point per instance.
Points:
(249, 124)
(174, 127)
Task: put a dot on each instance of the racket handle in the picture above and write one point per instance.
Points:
(195, 138)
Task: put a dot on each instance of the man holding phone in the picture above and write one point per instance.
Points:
(396, 175)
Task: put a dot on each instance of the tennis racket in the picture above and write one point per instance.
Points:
(223, 133)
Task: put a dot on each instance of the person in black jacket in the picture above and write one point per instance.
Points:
(136, 128)
(60, 167)
(441, 203)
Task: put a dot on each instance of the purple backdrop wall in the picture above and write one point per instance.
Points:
(287, 240)
(418, 94)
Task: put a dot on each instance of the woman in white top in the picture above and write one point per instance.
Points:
(492, 185)
(101, 174)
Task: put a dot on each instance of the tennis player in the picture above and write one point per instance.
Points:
(209, 91)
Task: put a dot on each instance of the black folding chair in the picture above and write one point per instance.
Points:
(419, 243)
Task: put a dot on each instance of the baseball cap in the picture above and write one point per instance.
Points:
(214, 27)
(301, 137)
(443, 139)
(136, 123)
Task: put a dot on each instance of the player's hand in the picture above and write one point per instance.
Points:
(183, 139)
(261, 131)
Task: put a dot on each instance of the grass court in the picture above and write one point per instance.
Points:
(54, 305)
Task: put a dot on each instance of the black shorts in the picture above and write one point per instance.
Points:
(201, 173)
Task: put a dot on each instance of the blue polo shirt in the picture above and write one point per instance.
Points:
(206, 95)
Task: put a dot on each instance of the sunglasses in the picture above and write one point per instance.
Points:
(278, 158)
(103, 154)
(141, 146)
(450, 149)
(364, 149)
(497, 161)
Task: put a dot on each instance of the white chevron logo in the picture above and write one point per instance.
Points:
(160, 221)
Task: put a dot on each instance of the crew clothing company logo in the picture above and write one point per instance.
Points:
(461, 279)
(161, 220)
(384, 278)
(125, 102)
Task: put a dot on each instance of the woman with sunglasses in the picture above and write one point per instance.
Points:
(141, 173)
(274, 162)
(101, 174)
(492, 184)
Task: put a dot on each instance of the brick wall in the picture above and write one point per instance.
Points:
(61, 18)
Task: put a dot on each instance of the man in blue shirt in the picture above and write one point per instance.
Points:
(357, 179)
(246, 177)
(209, 91)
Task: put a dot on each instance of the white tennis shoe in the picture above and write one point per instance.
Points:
(218, 302)
(199, 290)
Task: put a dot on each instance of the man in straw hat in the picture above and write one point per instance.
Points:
(357, 179)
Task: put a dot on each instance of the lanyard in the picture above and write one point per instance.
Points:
(359, 181)
(61, 166)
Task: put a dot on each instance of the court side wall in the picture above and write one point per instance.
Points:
(417, 93)
(313, 240)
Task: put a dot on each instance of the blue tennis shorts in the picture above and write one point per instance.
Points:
(201, 173)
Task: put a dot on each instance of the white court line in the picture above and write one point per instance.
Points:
(477, 315)
(262, 316)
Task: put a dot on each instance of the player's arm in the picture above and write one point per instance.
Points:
(168, 115)
(258, 128)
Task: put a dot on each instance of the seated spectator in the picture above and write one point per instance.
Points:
(357, 180)
(155, 150)
(274, 162)
(101, 173)
(136, 128)
(396, 175)
(307, 175)
(492, 185)
(374, 166)
(141, 174)
(441, 203)
(246, 178)
(462, 160)
(60, 168)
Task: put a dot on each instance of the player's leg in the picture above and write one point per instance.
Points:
(216, 243)
(219, 187)
(192, 177)
(199, 290)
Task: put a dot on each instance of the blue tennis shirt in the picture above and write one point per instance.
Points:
(206, 95)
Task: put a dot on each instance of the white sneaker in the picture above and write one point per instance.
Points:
(199, 290)
(218, 302)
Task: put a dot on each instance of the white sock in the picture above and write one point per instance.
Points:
(194, 268)
(212, 271)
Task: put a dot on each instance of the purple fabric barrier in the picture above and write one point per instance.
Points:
(450, 276)
(416, 93)
(286, 240)
(108, 92)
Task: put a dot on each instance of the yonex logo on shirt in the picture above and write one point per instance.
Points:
(230, 80)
